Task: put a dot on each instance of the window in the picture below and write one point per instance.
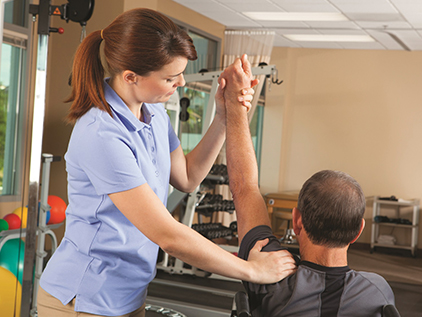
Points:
(256, 131)
(16, 12)
(13, 77)
(207, 51)
(190, 131)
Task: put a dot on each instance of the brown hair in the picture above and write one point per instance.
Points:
(332, 205)
(139, 40)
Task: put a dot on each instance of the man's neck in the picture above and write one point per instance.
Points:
(329, 257)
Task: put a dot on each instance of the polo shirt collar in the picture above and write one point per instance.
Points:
(122, 111)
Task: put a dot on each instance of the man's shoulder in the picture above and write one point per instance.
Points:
(369, 276)
(369, 283)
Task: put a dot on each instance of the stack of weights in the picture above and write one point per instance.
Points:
(218, 175)
(212, 203)
(215, 230)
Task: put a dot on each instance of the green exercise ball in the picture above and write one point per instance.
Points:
(12, 257)
(4, 225)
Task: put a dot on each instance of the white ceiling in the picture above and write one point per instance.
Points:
(393, 24)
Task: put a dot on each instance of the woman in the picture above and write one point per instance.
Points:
(121, 157)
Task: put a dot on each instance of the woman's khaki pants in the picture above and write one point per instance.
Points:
(49, 306)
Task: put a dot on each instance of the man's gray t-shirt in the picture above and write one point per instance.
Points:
(315, 290)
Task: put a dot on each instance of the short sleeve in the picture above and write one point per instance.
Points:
(173, 139)
(255, 234)
(257, 292)
(108, 160)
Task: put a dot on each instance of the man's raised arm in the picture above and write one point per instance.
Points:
(241, 162)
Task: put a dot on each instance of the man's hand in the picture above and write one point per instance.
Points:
(237, 82)
(271, 266)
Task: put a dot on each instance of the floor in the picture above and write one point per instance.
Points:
(402, 271)
(209, 297)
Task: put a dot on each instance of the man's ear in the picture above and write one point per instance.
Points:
(362, 225)
(129, 77)
(297, 221)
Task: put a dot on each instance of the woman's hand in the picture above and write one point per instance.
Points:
(270, 267)
(246, 98)
(220, 107)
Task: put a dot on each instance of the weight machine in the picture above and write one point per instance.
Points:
(194, 198)
(76, 11)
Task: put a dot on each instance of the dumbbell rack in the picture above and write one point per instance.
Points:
(198, 202)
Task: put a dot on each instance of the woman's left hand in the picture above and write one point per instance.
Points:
(220, 106)
(246, 98)
(270, 267)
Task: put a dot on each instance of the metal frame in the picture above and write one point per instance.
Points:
(35, 165)
(44, 12)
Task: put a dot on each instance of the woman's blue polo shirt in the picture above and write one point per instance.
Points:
(104, 260)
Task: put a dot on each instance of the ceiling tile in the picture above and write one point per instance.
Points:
(364, 6)
(313, 7)
(384, 25)
(289, 2)
(413, 17)
(254, 6)
(373, 17)
(385, 40)
(331, 45)
(242, 2)
(296, 31)
(411, 38)
(205, 7)
(332, 24)
(281, 41)
(282, 24)
(345, 32)
(361, 46)
(231, 19)
(191, 1)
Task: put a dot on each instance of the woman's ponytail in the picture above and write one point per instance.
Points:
(87, 78)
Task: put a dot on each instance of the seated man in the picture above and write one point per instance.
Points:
(328, 218)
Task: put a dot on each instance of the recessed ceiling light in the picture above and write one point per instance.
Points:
(328, 38)
(296, 16)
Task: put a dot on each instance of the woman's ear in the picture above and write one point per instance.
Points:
(129, 77)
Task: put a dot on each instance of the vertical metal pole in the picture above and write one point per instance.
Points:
(34, 174)
(42, 227)
(209, 115)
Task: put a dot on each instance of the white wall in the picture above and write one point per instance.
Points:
(352, 110)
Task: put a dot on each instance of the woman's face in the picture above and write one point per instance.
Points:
(159, 85)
